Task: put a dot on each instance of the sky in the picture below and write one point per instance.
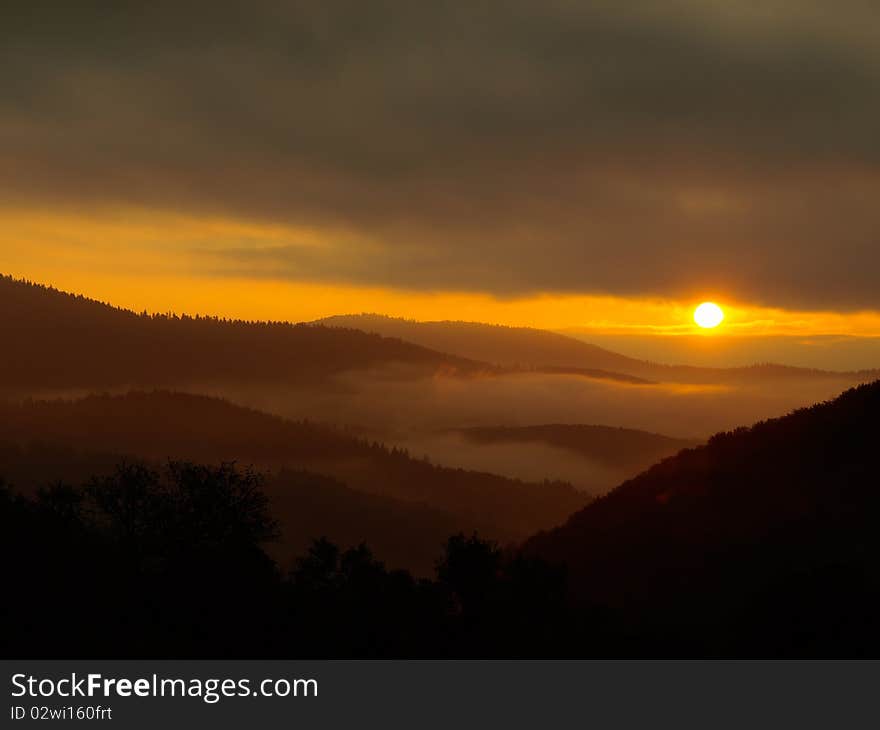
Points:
(594, 164)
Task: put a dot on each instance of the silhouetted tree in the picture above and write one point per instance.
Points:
(471, 569)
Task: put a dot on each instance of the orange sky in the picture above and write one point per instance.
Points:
(156, 262)
(361, 173)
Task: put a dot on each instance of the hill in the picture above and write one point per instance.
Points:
(508, 346)
(746, 545)
(614, 447)
(549, 351)
(306, 505)
(102, 346)
(163, 425)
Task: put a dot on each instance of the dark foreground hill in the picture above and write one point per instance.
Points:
(553, 352)
(762, 542)
(170, 562)
(402, 506)
(53, 340)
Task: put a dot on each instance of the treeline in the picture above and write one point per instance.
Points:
(146, 563)
(401, 495)
(173, 563)
(103, 346)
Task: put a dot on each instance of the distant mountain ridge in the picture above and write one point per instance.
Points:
(499, 344)
(525, 346)
(611, 446)
(52, 339)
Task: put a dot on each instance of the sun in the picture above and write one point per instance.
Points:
(708, 315)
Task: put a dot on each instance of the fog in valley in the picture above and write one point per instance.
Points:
(422, 415)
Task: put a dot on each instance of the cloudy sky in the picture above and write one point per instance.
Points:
(547, 162)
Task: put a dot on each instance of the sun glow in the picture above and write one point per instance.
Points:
(708, 315)
(160, 262)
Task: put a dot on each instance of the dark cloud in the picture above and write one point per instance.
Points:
(655, 148)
